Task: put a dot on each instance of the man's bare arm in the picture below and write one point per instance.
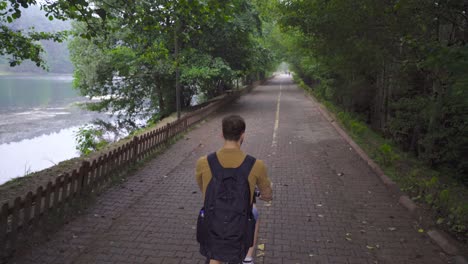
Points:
(198, 174)
(264, 184)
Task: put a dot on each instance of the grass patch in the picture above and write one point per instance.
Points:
(437, 190)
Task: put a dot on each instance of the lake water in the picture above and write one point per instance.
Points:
(38, 121)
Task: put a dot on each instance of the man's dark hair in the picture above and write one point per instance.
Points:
(233, 127)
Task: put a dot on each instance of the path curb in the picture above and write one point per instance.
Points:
(389, 183)
(439, 237)
(443, 241)
(408, 203)
(460, 260)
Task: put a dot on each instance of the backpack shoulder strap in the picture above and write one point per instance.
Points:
(217, 169)
(247, 165)
(215, 166)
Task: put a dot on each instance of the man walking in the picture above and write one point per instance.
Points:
(227, 225)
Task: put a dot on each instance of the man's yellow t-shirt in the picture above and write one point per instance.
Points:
(233, 158)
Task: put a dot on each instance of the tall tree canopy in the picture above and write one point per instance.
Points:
(133, 62)
(129, 53)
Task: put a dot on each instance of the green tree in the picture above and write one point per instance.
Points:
(133, 65)
(400, 65)
(22, 45)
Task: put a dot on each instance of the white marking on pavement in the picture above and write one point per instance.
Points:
(274, 143)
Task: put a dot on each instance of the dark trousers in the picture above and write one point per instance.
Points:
(208, 261)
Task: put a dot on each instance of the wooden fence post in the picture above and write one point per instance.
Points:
(135, 149)
(15, 223)
(3, 229)
(83, 182)
(47, 200)
(27, 213)
(168, 130)
(37, 208)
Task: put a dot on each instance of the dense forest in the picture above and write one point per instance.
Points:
(55, 54)
(401, 66)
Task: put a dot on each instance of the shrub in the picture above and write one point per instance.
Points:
(387, 155)
(89, 139)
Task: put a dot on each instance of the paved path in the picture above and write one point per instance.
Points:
(317, 216)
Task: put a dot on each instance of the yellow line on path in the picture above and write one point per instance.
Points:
(274, 143)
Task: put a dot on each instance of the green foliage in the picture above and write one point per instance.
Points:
(55, 54)
(132, 65)
(387, 155)
(203, 74)
(89, 139)
(400, 67)
(357, 127)
(20, 44)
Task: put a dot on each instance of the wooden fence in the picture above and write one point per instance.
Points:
(23, 217)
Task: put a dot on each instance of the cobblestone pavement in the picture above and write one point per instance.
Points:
(328, 207)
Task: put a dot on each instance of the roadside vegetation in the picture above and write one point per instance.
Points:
(440, 192)
(396, 75)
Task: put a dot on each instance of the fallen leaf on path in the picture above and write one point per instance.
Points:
(260, 254)
(321, 216)
(392, 228)
(348, 238)
(261, 247)
(370, 247)
(420, 230)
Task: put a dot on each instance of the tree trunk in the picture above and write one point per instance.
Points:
(176, 55)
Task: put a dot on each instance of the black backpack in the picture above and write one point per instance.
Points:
(225, 225)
